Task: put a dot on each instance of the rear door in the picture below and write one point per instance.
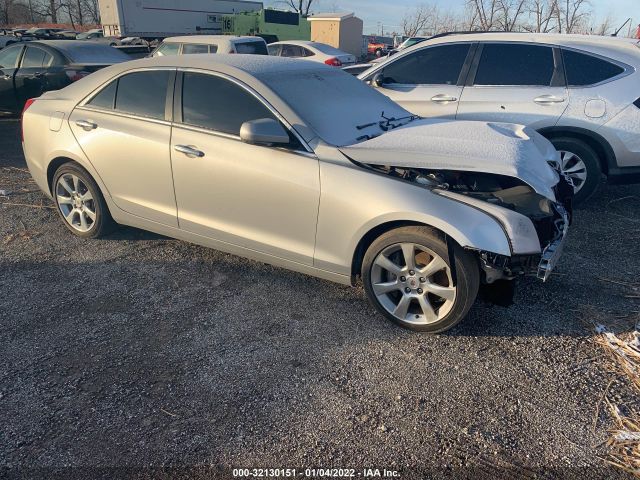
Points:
(9, 58)
(429, 81)
(126, 136)
(515, 83)
(40, 70)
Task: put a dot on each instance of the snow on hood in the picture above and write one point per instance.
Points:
(500, 148)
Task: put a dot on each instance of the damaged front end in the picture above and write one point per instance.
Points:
(535, 225)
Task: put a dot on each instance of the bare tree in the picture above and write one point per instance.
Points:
(417, 20)
(303, 7)
(606, 26)
(92, 11)
(571, 15)
(510, 12)
(541, 14)
(6, 7)
(483, 14)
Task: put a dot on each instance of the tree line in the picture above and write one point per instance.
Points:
(542, 16)
(74, 12)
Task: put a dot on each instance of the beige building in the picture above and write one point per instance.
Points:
(340, 30)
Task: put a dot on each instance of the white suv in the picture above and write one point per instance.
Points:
(581, 92)
(193, 44)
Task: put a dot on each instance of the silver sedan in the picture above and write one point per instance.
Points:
(303, 166)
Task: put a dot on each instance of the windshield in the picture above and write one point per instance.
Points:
(340, 108)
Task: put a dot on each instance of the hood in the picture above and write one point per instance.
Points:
(500, 148)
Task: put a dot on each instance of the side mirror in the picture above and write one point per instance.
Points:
(377, 80)
(265, 131)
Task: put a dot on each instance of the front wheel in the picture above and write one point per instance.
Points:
(407, 276)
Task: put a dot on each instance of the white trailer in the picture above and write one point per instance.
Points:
(166, 18)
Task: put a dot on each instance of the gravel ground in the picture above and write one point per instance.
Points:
(143, 356)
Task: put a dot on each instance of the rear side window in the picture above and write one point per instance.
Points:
(292, 51)
(430, 66)
(274, 50)
(582, 69)
(106, 98)
(9, 57)
(36, 58)
(143, 93)
(218, 104)
(190, 48)
(515, 64)
(256, 48)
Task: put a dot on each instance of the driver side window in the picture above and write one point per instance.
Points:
(218, 104)
(439, 65)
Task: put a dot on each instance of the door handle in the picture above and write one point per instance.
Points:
(86, 125)
(189, 151)
(6, 77)
(442, 98)
(548, 100)
(38, 74)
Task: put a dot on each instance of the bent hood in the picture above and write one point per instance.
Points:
(500, 148)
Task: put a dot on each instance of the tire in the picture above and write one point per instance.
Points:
(439, 313)
(74, 197)
(589, 158)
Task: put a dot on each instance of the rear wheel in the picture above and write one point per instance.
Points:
(408, 277)
(80, 203)
(581, 164)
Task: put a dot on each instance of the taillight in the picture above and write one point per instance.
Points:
(27, 104)
(75, 75)
(334, 62)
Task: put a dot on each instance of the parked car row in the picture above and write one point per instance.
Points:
(27, 70)
(579, 92)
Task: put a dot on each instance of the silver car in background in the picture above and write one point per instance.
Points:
(580, 92)
(231, 152)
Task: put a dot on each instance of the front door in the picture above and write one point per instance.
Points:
(516, 83)
(427, 82)
(258, 197)
(126, 137)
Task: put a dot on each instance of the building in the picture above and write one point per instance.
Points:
(340, 30)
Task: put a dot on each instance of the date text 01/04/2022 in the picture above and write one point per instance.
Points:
(314, 473)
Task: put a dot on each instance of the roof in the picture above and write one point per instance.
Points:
(208, 39)
(331, 16)
(254, 65)
(621, 49)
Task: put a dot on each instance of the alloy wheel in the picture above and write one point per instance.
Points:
(413, 283)
(575, 168)
(76, 202)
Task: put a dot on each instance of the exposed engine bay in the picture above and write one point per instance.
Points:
(507, 192)
(549, 218)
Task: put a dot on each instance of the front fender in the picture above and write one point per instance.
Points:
(354, 201)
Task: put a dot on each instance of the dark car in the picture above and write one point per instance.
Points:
(28, 70)
(43, 33)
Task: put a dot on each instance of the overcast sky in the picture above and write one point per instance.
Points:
(390, 12)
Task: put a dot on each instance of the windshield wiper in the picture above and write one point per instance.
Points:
(386, 124)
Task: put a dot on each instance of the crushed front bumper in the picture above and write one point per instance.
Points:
(553, 251)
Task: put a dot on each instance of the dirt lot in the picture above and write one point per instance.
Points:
(163, 358)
